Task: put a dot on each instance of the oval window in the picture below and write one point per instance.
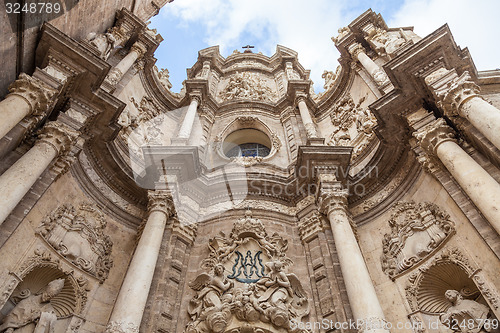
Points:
(247, 143)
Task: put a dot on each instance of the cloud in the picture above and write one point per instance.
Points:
(472, 23)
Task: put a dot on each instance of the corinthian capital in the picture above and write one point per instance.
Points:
(161, 200)
(139, 48)
(332, 197)
(36, 93)
(355, 49)
(455, 92)
(58, 135)
(433, 134)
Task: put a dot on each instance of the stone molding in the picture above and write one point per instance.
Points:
(36, 93)
(332, 198)
(139, 48)
(310, 227)
(455, 92)
(355, 49)
(58, 135)
(433, 134)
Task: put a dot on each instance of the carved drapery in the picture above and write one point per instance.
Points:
(416, 231)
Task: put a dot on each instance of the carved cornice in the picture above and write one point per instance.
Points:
(36, 93)
(434, 134)
(162, 201)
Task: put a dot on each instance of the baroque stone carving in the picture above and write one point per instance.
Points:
(342, 33)
(247, 86)
(121, 327)
(34, 309)
(78, 235)
(433, 134)
(464, 315)
(416, 231)
(36, 93)
(104, 43)
(311, 226)
(455, 92)
(58, 135)
(385, 43)
(434, 278)
(257, 291)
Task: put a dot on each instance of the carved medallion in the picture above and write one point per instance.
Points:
(416, 231)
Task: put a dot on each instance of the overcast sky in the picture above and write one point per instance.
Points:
(188, 26)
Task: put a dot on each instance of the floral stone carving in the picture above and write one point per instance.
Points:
(416, 231)
(78, 235)
(246, 283)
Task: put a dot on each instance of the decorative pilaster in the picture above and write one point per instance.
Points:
(133, 295)
(28, 96)
(459, 96)
(55, 140)
(358, 53)
(437, 138)
(366, 308)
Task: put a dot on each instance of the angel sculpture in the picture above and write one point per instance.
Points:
(464, 315)
(211, 304)
(283, 297)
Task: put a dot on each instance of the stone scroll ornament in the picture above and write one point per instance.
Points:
(416, 231)
(246, 284)
(78, 235)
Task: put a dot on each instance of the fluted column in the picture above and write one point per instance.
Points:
(131, 302)
(358, 53)
(460, 96)
(437, 138)
(187, 123)
(363, 299)
(306, 118)
(136, 51)
(28, 95)
(54, 140)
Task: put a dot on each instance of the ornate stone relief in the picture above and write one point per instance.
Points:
(450, 270)
(247, 86)
(104, 43)
(342, 33)
(353, 125)
(416, 231)
(36, 93)
(386, 43)
(311, 226)
(455, 92)
(78, 235)
(246, 283)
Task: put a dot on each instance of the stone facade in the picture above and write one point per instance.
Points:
(246, 202)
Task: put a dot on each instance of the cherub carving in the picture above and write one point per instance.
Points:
(34, 309)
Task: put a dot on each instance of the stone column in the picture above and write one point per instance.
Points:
(136, 51)
(306, 118)
(437, 139)
(28, 95)
(363, 299)
(357, 52)
(133, 295)
(55, 139)
(187, 123)
(460, 96)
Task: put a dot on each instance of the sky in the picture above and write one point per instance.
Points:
(188, 26)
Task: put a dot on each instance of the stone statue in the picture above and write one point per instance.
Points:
(464, 315)
(34, 310)
(104, 43)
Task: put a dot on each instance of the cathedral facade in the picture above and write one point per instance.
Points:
(246, 203)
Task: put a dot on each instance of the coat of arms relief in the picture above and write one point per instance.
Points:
(247, 284)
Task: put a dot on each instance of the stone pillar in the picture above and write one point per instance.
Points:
(437, 139)
(357, 51)
(363, 299)
(133, 295)
(55, 139)
(136, 52)
(28, 95)
(306, 118)
(458, 96)
(187, 123)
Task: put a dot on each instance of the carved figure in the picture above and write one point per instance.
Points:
(386, 43)
(104, 43)
(34, 309)
(246, 86)
(464, 315)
